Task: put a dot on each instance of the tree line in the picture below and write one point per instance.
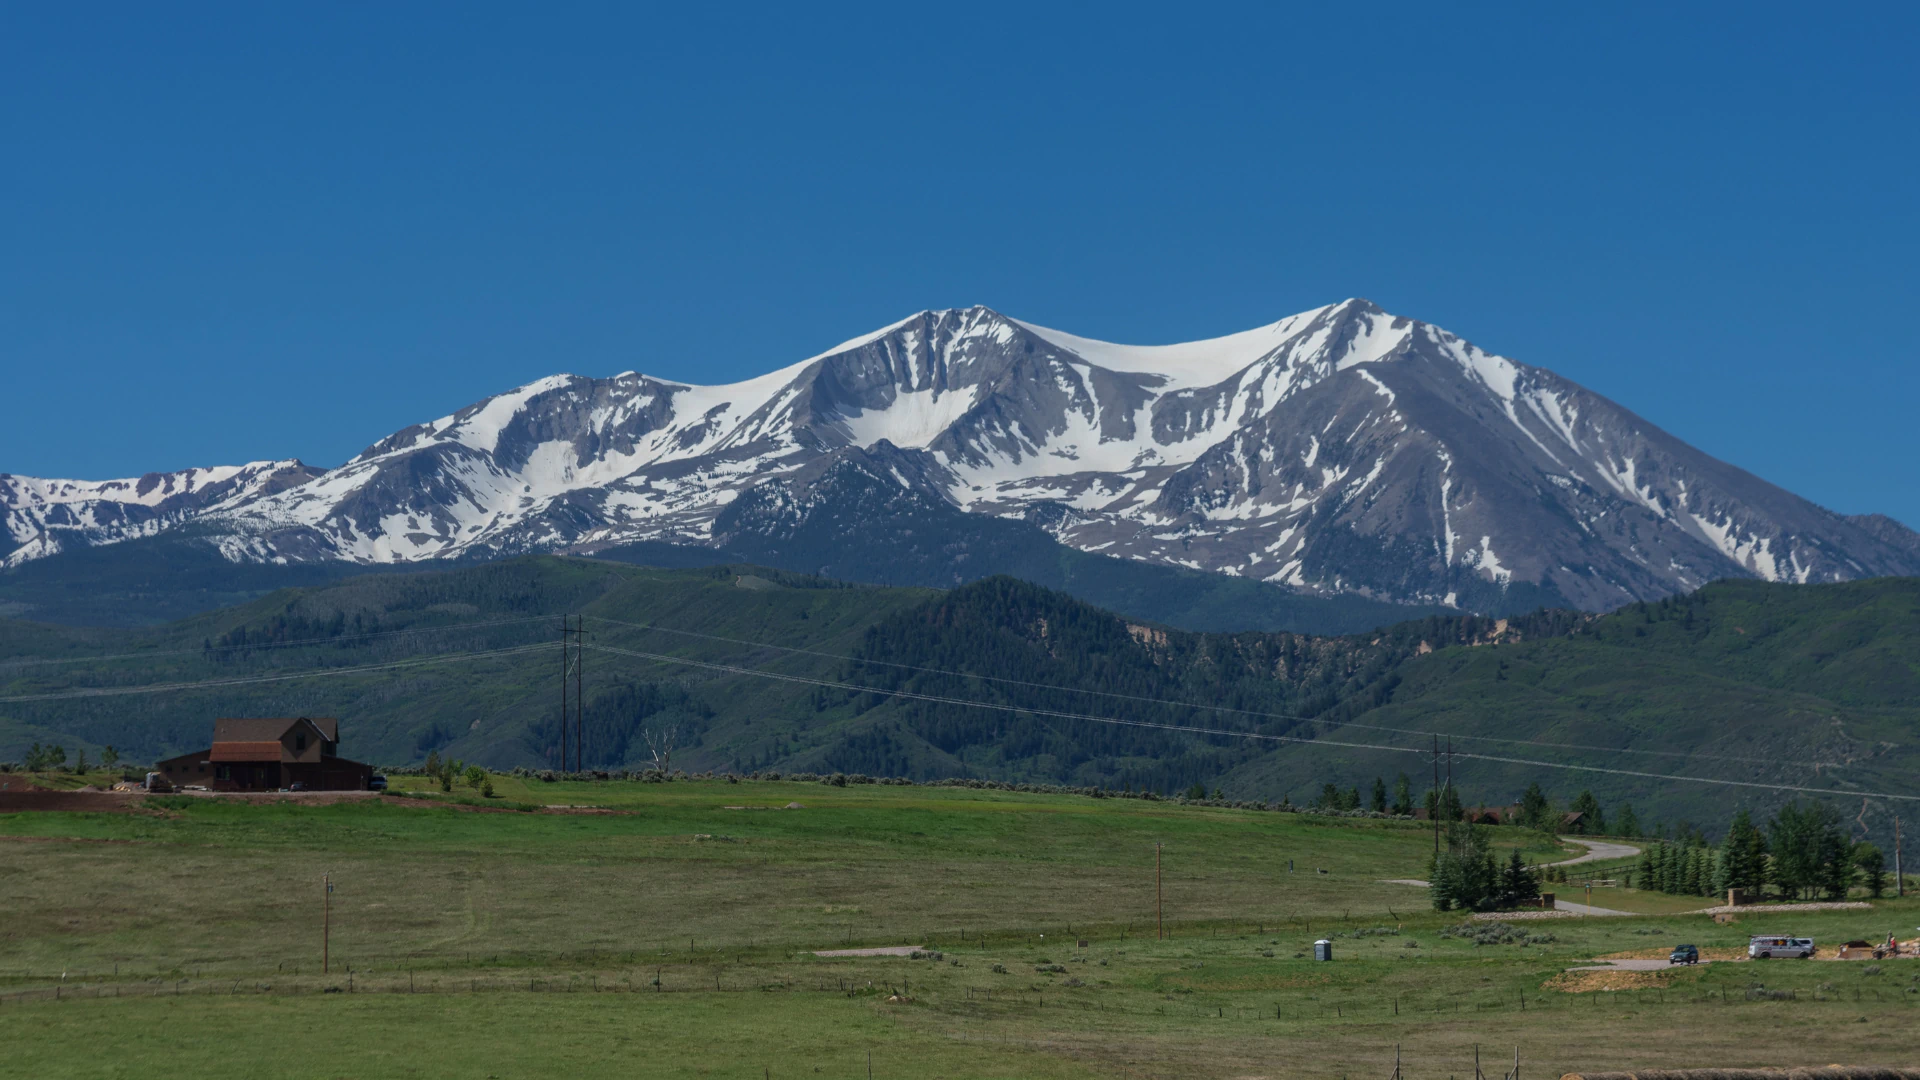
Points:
(1804, 852)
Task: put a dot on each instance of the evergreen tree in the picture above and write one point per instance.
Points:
(1872, 866)
(1403, 795)
(1743, 858)
(1329, 797)
(1809, 850)
(1379, 795)
(1450, 808)
(1629, 823)
(1700, 874)
(1351, 800)
(1592, 820)
(1835, 860)
(1536, 811)
(1518, 884)
(1465, 875)
(1645, 872)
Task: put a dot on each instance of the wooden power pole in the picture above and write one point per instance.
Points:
(1899, 879)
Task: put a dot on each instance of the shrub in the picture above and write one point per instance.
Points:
(1495, 933)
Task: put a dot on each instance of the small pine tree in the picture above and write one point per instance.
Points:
(1403, 795)
(1629, 822)
(1518, 884)
(1872, 866)
(1657, 868)
(1379, 795)
(1536, 810)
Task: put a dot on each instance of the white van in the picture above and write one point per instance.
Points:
(1767, 946)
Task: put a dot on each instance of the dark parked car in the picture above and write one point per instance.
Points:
(1684, 954)
(376, 782)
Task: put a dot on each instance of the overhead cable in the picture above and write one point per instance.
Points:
(1122, 722)
(1331, 724)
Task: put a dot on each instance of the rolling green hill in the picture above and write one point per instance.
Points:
(1813, 686)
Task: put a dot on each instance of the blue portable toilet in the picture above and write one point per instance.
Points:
(1323, 949)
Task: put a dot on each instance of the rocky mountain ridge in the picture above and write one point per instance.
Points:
(1343, 450)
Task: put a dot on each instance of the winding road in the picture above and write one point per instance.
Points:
(1597, 850)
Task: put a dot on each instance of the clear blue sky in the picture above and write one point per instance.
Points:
(230, 233)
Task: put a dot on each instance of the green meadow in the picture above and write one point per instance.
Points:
(671, 930)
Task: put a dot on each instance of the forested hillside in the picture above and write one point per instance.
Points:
(1810, 686)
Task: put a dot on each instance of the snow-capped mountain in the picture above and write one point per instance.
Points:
(44, 517)
(1340, 450)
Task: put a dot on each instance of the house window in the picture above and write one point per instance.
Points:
(300, 744)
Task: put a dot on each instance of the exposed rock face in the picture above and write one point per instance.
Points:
(1341, 450)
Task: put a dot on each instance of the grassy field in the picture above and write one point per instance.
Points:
(660, 931)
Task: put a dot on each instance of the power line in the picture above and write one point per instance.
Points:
(1330, 724)
(248, 647)
(1121, 722)
(163, 688)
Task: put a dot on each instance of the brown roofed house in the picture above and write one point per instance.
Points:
(268, 754)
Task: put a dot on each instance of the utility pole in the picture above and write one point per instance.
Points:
(1159, 917)
(1899, 879)
(326, 919)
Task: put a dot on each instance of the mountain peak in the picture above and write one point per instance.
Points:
(1341, 449)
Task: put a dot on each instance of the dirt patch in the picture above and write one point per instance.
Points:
(44, 800)
(1588, 981)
